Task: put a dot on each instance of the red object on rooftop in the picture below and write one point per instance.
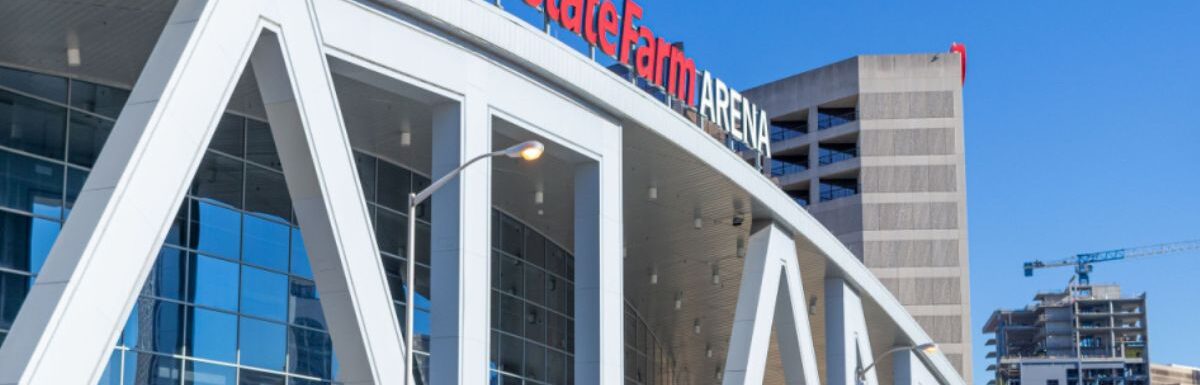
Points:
(961, 50)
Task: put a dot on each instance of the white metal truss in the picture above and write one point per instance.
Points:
(771, 291)
(79, 304)
(847, 341)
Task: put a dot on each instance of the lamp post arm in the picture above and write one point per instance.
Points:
(415, 199)
(428, 191)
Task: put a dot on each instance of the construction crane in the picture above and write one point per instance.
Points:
(1083, 262)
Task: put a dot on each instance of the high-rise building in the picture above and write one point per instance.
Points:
(1086, 334)
(872, 146)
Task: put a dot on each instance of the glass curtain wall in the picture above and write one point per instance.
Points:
(533, 307)
(231, 298)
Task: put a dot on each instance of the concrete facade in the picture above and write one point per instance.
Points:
(873, 147)
(1086, 334)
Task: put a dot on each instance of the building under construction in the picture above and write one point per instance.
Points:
(1085, 335)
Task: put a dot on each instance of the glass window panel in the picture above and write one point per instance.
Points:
(96, 98)
(129, 334)
(216, 230)
(263, 344)
(214, 283)
(87, 137)
(556, 260)
(421, 328)
(535, 323)
(267, 193)
(301, 381)
(556, 331)
(424, 210)
(16, 236)
(212, 335)
(510, 380)
(396, 286)
(160, 326)
(178, 233)
(535, 361)
(3, 335)
(424, 237)
(554, 294)
(13, 289)
(201, 373)
(535, 248)
(219, 178)
(265, 243)
(31, 125)
(300, 264)
(512, 276)
(45, 86)
(229, 137)
(151, 369)
(512, 315)
(393, 186)
(390, 232)
(366, 174)
(535, 284)
(250, 377)
(112, 371)
(423, 296)
(305, 309)
(512, 237)
(260, 145)
(569, 298)
(310, 353)
(556, 372)
(168, 276)
(512, 355)
(75, 180)
(31, 185)
(264, 293)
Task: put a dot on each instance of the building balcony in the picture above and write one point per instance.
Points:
(829, 117)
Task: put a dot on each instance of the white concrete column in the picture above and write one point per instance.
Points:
(771, 288)
(319, 168)
(908, 369)
(461, 239)
(847, 344)
(599, 301)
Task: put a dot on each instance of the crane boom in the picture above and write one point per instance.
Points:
(1083, 262)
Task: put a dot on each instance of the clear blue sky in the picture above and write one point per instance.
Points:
(1082, 122)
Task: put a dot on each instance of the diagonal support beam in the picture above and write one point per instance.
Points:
(771, 292)
(78, 306)
(847, 342)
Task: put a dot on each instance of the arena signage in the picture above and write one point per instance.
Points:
(660, 63)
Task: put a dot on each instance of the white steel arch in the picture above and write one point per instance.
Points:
(77, 307)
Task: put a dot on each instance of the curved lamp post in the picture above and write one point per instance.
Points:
(927, 348)
(530, 150)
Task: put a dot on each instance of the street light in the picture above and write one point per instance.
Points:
(927, 348)
(530, 150)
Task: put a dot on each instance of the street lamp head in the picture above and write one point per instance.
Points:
(927, 348)
(529, 150)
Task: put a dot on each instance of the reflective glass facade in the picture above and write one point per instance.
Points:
(533, 307)
(231, 298)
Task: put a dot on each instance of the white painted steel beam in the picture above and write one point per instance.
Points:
(771, 292)
(599, 273)
(847, 342)
(79, 304)
(462, 209)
